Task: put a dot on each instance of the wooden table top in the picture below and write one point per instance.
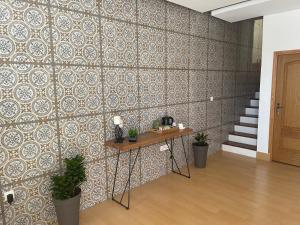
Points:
(148, 138)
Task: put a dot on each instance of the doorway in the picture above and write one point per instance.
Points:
(285, 108)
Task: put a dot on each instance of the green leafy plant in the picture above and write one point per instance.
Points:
(132, 132)
(68, 185)
(201, 139)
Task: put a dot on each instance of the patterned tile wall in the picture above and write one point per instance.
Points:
(68, 67)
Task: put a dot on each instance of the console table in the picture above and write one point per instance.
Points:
(147, 139)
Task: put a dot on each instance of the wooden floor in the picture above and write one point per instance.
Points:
(231, 190)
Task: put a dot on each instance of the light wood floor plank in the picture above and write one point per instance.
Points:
(231, 190)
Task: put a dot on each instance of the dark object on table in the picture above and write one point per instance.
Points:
(118, 134)
(167, 120)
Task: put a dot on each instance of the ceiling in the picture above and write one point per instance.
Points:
(237, 10)
(205, 5)
(255, 8)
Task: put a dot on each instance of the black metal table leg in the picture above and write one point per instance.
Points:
(172, 157)
(128, 183)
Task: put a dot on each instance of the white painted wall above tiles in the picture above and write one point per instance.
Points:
(279, 33)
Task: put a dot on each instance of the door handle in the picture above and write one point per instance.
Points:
(278, 108)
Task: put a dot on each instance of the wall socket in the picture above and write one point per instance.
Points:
(8, 193)
(211, 98)
(163, 148)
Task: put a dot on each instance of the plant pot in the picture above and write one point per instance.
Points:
(132, 139)
(200, 155)
(67, 211)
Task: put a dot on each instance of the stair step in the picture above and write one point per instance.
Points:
(243, 138)
(247, 119)
(238, 148)
(249, 115)
(247, 125)
(254, 102)
(257, 94)
(244, 134)
(252, 107)
(240, 145)
(246, 128)
(251, 111)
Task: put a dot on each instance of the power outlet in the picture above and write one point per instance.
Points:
(163, 148)
(11, 192)
(211, 98)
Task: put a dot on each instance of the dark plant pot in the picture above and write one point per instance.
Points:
(132, 139)
(200, 155)
(67, 211)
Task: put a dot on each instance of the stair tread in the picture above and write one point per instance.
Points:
(247, 125)
(240, 145)
(252, 107)
(249, 115)
(243, 134)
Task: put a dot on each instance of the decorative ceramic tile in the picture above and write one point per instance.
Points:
(240, 104)
(227, 110)
(230, 57)
(33, 203)
(178, 155)
(214, 113)
(130, 120)
(214, 84)
(75, 37)
(178, 51)
(216, 28)
(82, 135)
(242, 62)
(152, 87)
(87, 6)
(199, 23)
(215, 55)
(26, 93)
(177, 18)
(152, 12)
(197, 116)
(119, 9)
(180, 113)
(80, 90)
(197, 84)
(152, 48)
(94, 189)
(153, 163)
(228, 84)
(149, 115)
(226, 129)
(119, 43)
(214, 141)
(241, 83)
(28, 150)
(177, 86)
(231, 32)
(24, 32)
(123, 169)
(244, 32)
(120, 88)
(198, 53)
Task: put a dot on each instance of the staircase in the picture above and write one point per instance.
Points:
(243, 140)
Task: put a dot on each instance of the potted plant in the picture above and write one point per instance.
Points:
(66, 191)
(200, 148)
(132, 135)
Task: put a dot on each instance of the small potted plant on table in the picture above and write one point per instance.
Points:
(66, 191)
(132, 135)
(200, 148)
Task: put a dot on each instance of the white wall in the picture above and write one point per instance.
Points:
(280, 32)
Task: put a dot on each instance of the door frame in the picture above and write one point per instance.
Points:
(273, 95)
